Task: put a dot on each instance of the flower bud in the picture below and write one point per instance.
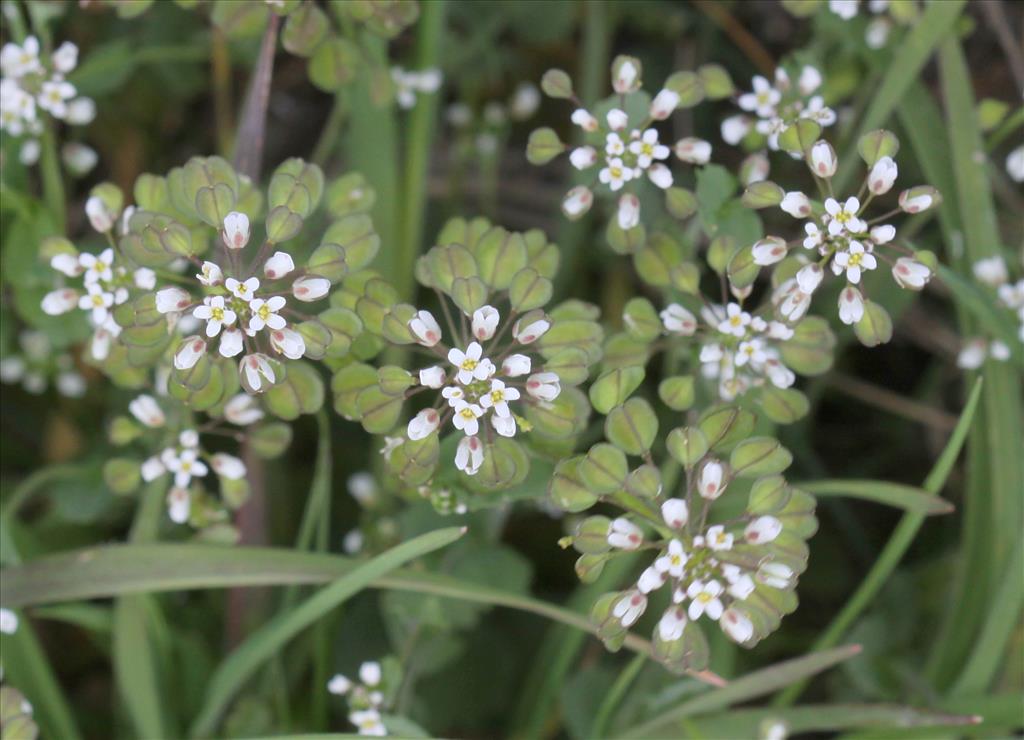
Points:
(823, 159)
(279, 265)
(236, 230)
(693, 150)
(99, 214)
(288, 342)
(59, 301)
(629, 211)
(882, 176)
(189, 352)
(911, 274)
(171, 300)
(425, 328)
(663, 104)
(485, 322)
(309, 289)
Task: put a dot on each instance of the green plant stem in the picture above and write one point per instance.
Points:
(331, 132)
(419, 144)
(894, 549)
(615, 695)
(53, 179)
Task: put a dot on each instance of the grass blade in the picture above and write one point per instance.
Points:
(897, 495)
(263, 644)
(757, 683)
(894, 549)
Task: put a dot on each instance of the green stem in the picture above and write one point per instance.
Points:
(328, 140)
(430, 32)
(615, 695)
(53, 179)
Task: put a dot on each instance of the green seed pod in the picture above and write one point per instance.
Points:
(783, 405)
(720, 252)
(52, 246)
(378, 411)
(528, 290)
(809, 350)
(450, 262)
(763, 194)
(688, 86)
(742, 270)
(632, 427)
(768, 495)
(874, 145)
(564, 417)
(296, 185)
(799, 137)
(687, 445)
(644, 482)
(680, 202)
(123, 430)
(355, 234)
(567, 489)
(556, 84)
(591, 535)
(543, 146)
(347, 384)
(300, 392)
(715, 81)
(351, 193)
(677, 392)
(270, 440)
(614, 387)
(571, 365)
(689, 653)
(334, 64)
(875, 326)
(501, 256)
(622, 350)
(505, 465)
(328, 261)
(152, 194)
(234, 492)
(625, 241)
(316, 336)
(307, 26)
(414, 461)
(609, 628)
(641, 320)
(122, 475)
(726, 426)
(589, 567)
(377, 300)
(603, 469)
(395, 327)
(282, 224)
(468, 294)
(759, 456)
(395, 381)
(543, 256)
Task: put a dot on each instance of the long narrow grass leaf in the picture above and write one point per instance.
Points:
(892, 494)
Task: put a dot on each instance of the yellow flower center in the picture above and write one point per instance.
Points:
(720, 538)
(497, 396)
(616, 172)
(734, 321)
(242, 289)
(217, 314)
(264, 312)
(675, 559)
(186, 466)
(855, 259)
(648, 149)
(97, 300)
(703, 597)
(467, 413)
(843, 216)
(469, 364)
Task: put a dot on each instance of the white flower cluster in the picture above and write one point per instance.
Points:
(475, 387)
(365, 698)
(738, 349)
(37, 362)
(487, 128)
(631, 149)
(31, 83)
(772, 108)
(877, 34)
(106, 283)
(409, 84)
(993, 272)
(705, 573)
(238, 314)
(844, 239)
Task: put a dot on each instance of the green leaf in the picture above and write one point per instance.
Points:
(892, 494)
(263, 644)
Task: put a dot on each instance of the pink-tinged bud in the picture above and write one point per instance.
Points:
(236, 230)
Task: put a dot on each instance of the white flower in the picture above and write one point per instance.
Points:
(629, 608)
(663, 104)
(68, 264)
(650, 580)
(741, 585)
(672, 624)
(791, 302)
(370, 673)
(179, 504)
(232, 342)
(264, 313)
(1015, 164)
(432, 377)
(53, 97)
(469, 455)
(368, 722)
(775, 575)
(762, 530)
(227, 466)
(882, 176)
(466, 418)
(796, 204)
(647, 149)
(583, 157)
(8, 621)
(851, 305)
(584, 120)
(816, 110)
(309, 289)
(660, 175)
(991, 271)
(288, 342)
(516, 365)
(279, 265)
(809, 277)
(65, 58)
(170, 300)
(18, 61)
(705, 599)
(814, 236)
(545, 386)
(185, 466)
(146, 410)
(81, 111)
(915, 202)
(629, 211)
(525, 101)
(256, 369)
(152, 469)
(763, 99)
(911, 274)
(810, 80)
(854, 261)
(615, 175)
(236, 231)
(617, 119)
(677, 320)
(453, 394)
(210, 274)
(423, 424)
(531, 332)
(751, 352)
(625, 77)
(973, 355)
(693, 150)
(735, 322)
(243, 410)
(425, 328)
(845, 9)
(504, 425)
(243, 290)
(999, 351)
(675, 512)
(485, 322)
(624, 535)
(498, 397)
(215, 314)
(577, 201)
(735, 128)
(339, 685)
(470, 364)
(98, 302)
(78, 158)
(100, 218)
(674, 561)
(144, 278)
(709, 483)
(769, 250)
(843, 217)
(59, 301)
(737, 625)
(823, 159)
(883, 234)
(718, 539)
